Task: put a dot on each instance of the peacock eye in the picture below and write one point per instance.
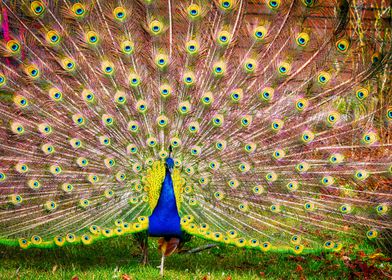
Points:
(119, 14)
(273, 4)
(188, 79)
(342, 45)
(302, 39)
(88, 95)
(156, 27)
(308, 3)
(78, 10)
(245, 121)
(226, 4)
(323, 78)
(224, 38)
(389, 113)
(250, 65)
(193, 11)
(362, 93)
(13, 46)
(37, 7)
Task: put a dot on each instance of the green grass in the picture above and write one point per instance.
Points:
(116, 258)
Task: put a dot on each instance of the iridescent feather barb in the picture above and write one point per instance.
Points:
(279, 114)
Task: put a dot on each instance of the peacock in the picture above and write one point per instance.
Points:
(261, 124)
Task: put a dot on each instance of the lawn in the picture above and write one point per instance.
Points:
(119, 259)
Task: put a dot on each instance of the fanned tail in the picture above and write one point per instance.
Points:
(278, 113)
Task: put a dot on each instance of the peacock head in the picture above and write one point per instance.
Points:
(169, 160)
(170, 164)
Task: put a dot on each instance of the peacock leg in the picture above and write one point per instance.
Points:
(167, 246)
(144, 248)
(142, 239)
(162, 264)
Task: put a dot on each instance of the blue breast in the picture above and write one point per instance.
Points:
(164, 220)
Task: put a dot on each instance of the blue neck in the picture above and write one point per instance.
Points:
(164, 220)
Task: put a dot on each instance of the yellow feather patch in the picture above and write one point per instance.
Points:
(178, 183)
(153, 182)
